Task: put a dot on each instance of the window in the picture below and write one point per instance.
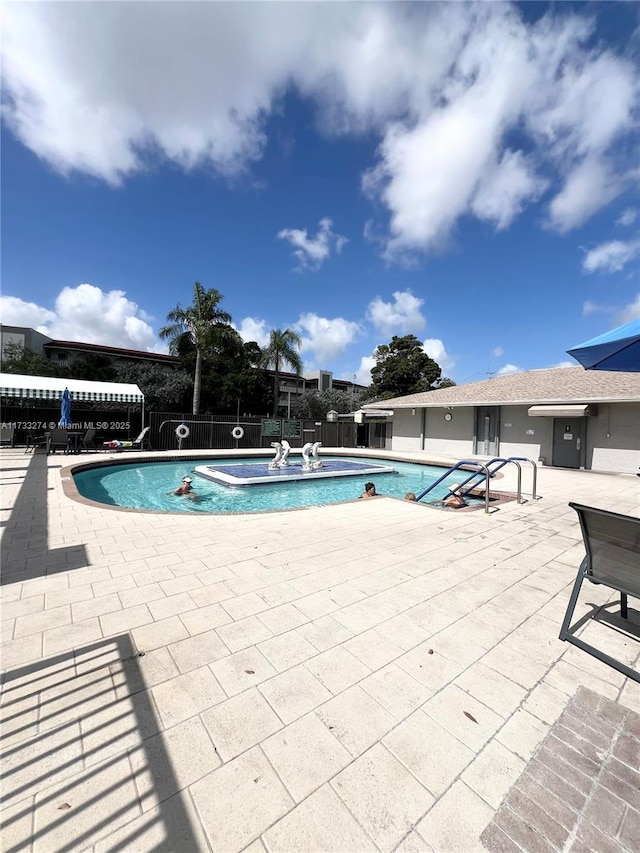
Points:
(325, 380)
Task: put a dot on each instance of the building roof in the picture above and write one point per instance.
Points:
(100, 348)
(552, 385)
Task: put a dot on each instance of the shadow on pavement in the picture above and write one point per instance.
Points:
(25, 551)
(83, 760)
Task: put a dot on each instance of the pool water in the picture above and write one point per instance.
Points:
(144, 485)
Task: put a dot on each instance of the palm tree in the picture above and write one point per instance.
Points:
(281, 349)
(197, 325)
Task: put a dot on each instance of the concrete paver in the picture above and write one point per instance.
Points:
(434, 755)
(385, 798)
(376, 675)
(240, 801)
(321, 822)
(306, 754)
(240, 723)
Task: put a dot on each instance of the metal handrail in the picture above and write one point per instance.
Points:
(477, 465)
(494, 471)
(503, 462)
(515, 460)
(476, 474)
(485, 470)
(535, 473)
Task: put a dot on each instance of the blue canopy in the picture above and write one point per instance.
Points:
(617, 350)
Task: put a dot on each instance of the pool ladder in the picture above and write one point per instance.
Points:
(485, 471)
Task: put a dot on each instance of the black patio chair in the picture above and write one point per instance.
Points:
(88, 440)
(612, 543)
(35, 439)
(7, 436)
(58, 439)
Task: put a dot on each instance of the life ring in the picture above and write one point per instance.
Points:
(182, 431)
(237, 432)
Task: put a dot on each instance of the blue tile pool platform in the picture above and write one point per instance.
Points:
(254, 473)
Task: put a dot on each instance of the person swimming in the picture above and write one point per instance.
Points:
(185, 489)
(454, 500)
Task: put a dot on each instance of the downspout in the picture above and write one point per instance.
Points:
(423, 427)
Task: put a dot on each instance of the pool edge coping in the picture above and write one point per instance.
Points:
(70, 490)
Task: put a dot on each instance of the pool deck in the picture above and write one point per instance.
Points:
(376, 675)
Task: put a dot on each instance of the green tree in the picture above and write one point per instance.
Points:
(402, 367)
(445, 382)
(316, 404)
(17, 359)
(252, 382)
(282, 349)
(164, 390)
(201, 325)
(93, 366)
(233, 381)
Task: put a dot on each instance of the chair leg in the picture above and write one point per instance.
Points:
(566, 634)
(568, 616)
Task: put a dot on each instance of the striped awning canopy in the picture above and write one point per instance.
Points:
(52, 388)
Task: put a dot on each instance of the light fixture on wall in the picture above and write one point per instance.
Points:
(413, 412)
(448, 415)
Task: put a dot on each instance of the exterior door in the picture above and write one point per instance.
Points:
(568, 439)
(487, 439)
(378, 434)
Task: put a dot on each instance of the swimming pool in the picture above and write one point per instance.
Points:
(144, 485)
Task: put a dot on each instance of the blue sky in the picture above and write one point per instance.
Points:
(465, 173)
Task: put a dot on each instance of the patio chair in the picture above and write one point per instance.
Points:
(142, 442)
(35, 439)
(58, 438)
(7, 435)
(612, 544)
(88, 440)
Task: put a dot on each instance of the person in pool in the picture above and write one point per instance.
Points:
(454, 499)
(369, 491)
(185, 488)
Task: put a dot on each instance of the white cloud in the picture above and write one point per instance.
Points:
(590, 186)
(363, 373)
(591, 308)
(505, 188)
(509, 368)
(253, 329)
(325, 338)
(88, 314)
(564, 364)
(312, 252)
(402, 316)
(627, 217)
(506, 77)
(435, 349)
(17, 312)
(611, 257)
(630, 312)
(497, 352)
(109, 89)
(587, 96)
